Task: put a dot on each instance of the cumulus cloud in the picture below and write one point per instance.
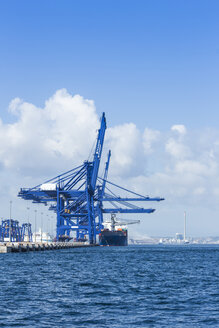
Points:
(180, 128)
(177, 149)
(61, 132)
(150, 138)
(124, 141)
(60, 135)
(176, 145)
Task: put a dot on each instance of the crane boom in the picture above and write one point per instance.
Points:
(127, 223)
(105, 174)
(98, 152)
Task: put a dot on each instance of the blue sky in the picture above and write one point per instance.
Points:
(147, 62)
(152, 66)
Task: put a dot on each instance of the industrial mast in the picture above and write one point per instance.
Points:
(78, 196)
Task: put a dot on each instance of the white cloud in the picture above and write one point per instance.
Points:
(199, 191)
(124, 141)
(180, 128)
(177, 149)
(150, 137)
(60, 133)
(196, 168)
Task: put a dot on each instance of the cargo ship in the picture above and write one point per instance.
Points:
(114, 233)
(113, 238)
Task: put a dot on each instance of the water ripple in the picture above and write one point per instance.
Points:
(150, 286)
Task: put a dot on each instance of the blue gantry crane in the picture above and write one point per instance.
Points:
(10, 230)
(79, 196)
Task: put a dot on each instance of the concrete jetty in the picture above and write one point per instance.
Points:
(29, 247)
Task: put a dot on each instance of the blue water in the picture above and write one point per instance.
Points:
(135, 286)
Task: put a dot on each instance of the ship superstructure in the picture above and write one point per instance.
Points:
(115, 233)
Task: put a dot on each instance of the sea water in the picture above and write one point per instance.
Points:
(134, 286)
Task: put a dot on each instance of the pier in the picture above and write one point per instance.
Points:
(30, 247)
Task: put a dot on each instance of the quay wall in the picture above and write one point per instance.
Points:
(28, 247)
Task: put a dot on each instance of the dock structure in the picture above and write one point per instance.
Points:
(28, 247)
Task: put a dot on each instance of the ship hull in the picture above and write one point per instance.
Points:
(113, 238)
